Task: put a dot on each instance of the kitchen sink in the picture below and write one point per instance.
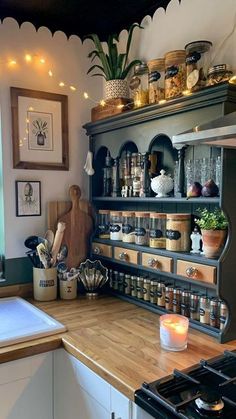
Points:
(20, 321)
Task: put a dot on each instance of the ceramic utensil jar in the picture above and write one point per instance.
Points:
(178, 228)
(45, 284)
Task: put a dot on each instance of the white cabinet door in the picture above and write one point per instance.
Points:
(26, 388)
(139, 413)
(79, 393)
(120, 405)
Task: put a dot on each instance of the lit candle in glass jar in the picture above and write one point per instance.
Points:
(173, 332)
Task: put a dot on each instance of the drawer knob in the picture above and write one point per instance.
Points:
(97, 250)
(152, 262)
(191, 272)
(123, 256)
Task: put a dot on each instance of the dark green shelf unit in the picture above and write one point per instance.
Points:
(152, 127)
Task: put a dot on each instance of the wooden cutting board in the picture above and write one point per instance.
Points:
(79, 225)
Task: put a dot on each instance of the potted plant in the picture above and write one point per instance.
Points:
(214, 227)
(113, 66)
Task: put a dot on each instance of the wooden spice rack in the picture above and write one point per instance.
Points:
(151, 128)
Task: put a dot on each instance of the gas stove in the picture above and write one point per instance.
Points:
(206, 390)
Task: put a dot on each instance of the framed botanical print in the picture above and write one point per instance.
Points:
(28, 198)
(39, 130)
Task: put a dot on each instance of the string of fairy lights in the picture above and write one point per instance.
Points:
(41, 60)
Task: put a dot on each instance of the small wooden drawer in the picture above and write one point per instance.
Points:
(197, 271)
(101, 249)
(126, 255)
(161, 263)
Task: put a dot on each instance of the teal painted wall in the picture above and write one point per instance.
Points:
(17, 271)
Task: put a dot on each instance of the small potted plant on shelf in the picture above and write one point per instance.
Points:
(113, 66)
(214, 227)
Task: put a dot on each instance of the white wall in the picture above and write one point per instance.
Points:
(192, 20)
(68, 61)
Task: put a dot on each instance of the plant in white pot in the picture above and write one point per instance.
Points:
(214, 228)
(113, 66)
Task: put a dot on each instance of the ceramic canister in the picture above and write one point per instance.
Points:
(45, 284)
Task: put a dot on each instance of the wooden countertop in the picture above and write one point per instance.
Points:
(117, 340)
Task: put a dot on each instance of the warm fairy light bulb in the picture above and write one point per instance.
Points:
(86, 96)
(233, 79)
(102, 102)
(28, 58)
(50, 73)
(73, 88)
(186, 92)
(162, 101)
(12, 62)
(42, 60)
(30, 108)
(61, 84)
(120, 106)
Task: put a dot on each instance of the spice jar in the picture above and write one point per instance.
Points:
(223, 314)
(185, 303)
(115, 225)
(175, 73)
(140, 287)
(128, 226)
(194, 306)
(127, 284)
(115, 280)
(161, 294)
(139, 85)
(141, 228)
(121, 282)
(104, 224)
(169, 297)
(156, 89)
(204, 309)
(214, 312)
(197, 59)
(177, 300)
(157, 234)
(218, 74)
(133, 286)
(178, 227)
(153, 292)
(146, 289)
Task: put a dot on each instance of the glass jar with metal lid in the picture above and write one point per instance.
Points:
(156, 74)
(169, 297)
(185, 303)
(161, 294)
(142, 228)
(177, 300)
(178, 228)
(153, 291)
(219, 74)
(197, 63)
(204, 309)
(115, 225)
(139, 85)
(146, 289)
(128, 226)
(175, 73)
(157, 234)
(140, 287)
(194, 306)
(104, 224)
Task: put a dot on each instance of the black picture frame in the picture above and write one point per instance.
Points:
(28, 198)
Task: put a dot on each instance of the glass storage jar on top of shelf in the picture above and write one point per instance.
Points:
(197, 62)
(178, 229)
(175, 73)
(157, 234)
(156, 80)
(104, 224)
(219, 74)
(115, 225)
(142, 228)
(128, 227)
(139, 85)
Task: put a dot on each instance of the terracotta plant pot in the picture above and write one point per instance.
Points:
(213, 242)
(116, 89)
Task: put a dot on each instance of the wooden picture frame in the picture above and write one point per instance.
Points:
(39, 130)
(28, 198)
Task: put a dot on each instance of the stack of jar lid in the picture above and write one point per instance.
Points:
(154, 229)
(206, 310)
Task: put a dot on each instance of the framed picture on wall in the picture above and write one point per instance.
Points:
(39, 130)
(28, 198)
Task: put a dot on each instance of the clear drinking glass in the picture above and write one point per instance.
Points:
(205, 171)
(218, 172)
(189, 173)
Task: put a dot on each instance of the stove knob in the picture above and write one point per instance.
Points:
(191, 272)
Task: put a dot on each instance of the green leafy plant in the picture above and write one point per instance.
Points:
(212, 220)
(113, 65)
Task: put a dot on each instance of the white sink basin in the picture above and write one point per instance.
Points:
(21, 321)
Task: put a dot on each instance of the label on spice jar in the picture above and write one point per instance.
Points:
(127, 229)
(193, 58)
(153, 76)
(103, 230)
(171, 71)
(115, 228)
(156, 234)
(173, 234)
(140, 231)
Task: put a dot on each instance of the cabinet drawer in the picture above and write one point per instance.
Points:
(161, 263)
(196, 271)
(102, 249)
(126, 255)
